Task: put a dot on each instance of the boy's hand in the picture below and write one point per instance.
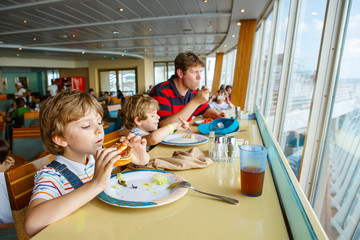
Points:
(182, 126)
(104, 162)
(138, 144)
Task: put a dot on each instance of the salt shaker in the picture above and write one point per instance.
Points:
(219, 149)
(211, 144)
(230, 149)
(238, 113)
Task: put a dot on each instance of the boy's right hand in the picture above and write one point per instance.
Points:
(104, 162)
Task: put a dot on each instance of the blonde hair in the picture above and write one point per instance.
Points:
(137, 105)
(57, 112)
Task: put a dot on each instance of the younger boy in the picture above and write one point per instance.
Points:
(139, 115)
(72, 130)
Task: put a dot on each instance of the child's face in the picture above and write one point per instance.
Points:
(84, 136)
(152, 121)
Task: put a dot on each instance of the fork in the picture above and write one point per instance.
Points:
(189, 132)
(227, 199)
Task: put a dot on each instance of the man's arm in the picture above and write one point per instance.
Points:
(212, 113)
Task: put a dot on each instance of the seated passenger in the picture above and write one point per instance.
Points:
(221, 101)
(139, 115)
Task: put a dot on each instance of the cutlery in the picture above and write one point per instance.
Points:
(227, 199)
(189, 132)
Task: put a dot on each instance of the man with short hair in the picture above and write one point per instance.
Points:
(179, 97)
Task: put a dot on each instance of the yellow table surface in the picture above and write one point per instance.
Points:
(194, 216)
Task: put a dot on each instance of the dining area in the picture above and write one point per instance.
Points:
(181, 213)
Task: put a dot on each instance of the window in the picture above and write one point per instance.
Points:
(163, 71)
(113, 80)
(52, 74)
(264, 59)
(336, 195)
(301, 80)
(277, 62)
(228, 68)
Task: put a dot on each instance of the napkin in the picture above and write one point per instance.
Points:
(193, 158)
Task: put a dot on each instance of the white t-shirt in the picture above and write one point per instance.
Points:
(222, 106)
(5, 209)
(20, 92)
(53, 89)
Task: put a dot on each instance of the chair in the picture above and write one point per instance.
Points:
(27, 142)
(116, 100)
(20, 183)
(31, 119)
(113, 110)
(2, 129)
(114, 118)
(111, 138)
(18, 161)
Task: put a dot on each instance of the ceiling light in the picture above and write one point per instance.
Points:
(238, 23)
(24, 21)
(122, 55)
(20, 48)
(150, 29)
(205, 1)
(115, 32)
(314, 13)
(225, 45)
(82, 52)
(121, 9)
(34, 38)
(18, 55)
(74, 35)
(63, 36)
(242, 10)
(233, 35)
(217, 51)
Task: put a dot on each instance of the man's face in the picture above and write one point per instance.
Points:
(192, 77)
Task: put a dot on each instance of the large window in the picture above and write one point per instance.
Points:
(163, 71)
(264, 59)
(52, 74)
(113, 80)
(336, 196)
(301, 80)
(277, 62)
(228, 68)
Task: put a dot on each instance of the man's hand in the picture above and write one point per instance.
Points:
(202, 96)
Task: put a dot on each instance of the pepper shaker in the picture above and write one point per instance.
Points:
(211, 144)
(230, 149)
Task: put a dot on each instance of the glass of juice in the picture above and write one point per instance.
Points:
(252, 169)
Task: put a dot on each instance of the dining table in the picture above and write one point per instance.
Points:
(194, 215)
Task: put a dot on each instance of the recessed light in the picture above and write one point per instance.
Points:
(18, 55)
(115, 32)
(233, 35)
(63, 36)
(205, 1)
(242, 10)
(122, 55)
(34, 38)
(150, 29)
(121, 9)
(24, 21)
(74, 35)
(20, 48)
(82, 52)
(225, 45)
(238, 23)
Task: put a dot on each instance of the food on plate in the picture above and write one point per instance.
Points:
(121, 180)
(207, 120)
(160, 179)
(188, 136)
(126, 153)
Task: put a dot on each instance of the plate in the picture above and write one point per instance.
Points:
(198, 122)
(147, 194)
(177, 139)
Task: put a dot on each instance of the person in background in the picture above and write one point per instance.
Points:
(20, 91)
(120, 95)
(179, 97)
(220, 101)
(91, 92)
(149, 90)
(17, 115)
(74, 134)
(222, 86)
(53, 89)
(29, 100)
(5, 163)
(139, 115)
(228, 89)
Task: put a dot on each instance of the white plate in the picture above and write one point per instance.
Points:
(178, 139)
(198, 122)
(147, 194)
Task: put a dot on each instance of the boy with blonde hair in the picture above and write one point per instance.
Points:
(139, 115)
(72, 130)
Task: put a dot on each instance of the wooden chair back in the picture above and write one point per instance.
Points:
(113, 110)
(31, 119)
(20, 183)
(19, 160)
(116, 100)
(111, 138)
(3, 97)
(27, 142)
(2, 129)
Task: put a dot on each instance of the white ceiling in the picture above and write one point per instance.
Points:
(63, 29)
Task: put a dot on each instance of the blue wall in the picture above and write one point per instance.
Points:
(37, 81)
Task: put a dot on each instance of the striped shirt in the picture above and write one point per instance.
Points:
(50, 184)
(171, 101)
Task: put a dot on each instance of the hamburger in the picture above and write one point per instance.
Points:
(126, 153)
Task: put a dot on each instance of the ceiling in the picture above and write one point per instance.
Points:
(103, 29)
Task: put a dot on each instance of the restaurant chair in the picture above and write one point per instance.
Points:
(114, 118)
(7, 231)
(20, 183)
(2, 129)
(116, 100)
(26, 142)
(113, 110)
(3, 97)
(111, 138)
(19, 160)
(31, 119)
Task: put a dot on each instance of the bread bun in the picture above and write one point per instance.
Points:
(126, 153)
